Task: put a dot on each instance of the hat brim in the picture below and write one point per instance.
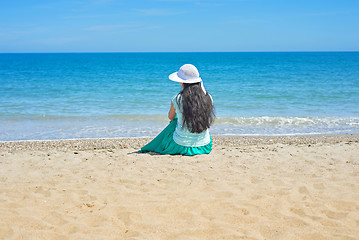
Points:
(174, 77)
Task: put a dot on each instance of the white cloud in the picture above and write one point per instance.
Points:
(59, 40)
(130, 27)
(86, 16)
(44, 6)
(108, 27)
(158, 12)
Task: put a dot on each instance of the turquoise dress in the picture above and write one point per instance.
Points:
(177, 140)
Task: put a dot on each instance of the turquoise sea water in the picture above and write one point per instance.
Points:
(100, 95)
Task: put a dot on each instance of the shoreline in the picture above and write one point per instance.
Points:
(138, 142)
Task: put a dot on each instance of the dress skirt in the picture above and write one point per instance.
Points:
(164, 144)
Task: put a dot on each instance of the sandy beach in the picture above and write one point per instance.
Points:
(248, 188)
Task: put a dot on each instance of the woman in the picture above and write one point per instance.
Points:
(191, 114)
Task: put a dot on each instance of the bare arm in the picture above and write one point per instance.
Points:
(172, 112)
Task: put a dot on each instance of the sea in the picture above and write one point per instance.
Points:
(48, 96)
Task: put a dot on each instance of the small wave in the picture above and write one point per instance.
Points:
(128, 117)
(226, 121)
(39, 117)
(151, 125)
(286, 121)
(156, 117)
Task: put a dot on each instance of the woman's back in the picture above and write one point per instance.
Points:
(182, 135)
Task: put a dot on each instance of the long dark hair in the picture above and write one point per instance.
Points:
(197, 107)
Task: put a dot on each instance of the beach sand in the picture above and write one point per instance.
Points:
(247, 188)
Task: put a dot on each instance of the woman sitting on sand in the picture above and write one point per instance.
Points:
(191, 114)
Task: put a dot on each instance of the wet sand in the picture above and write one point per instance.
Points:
(304, 187)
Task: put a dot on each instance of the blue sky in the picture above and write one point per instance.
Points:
(178, 25)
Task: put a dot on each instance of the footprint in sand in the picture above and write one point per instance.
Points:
(95, 220)
(224, 195)
(335, 215)
(295, 222)
(298, 211)
(344, 205)
(303, 190)
(69, 229)
(128, 217)
(318, 186)
(55, 219)
(45, 193)
(255, 180)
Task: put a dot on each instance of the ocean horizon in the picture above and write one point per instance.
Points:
(49, 96)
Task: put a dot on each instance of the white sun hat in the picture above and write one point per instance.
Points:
(187, 74)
